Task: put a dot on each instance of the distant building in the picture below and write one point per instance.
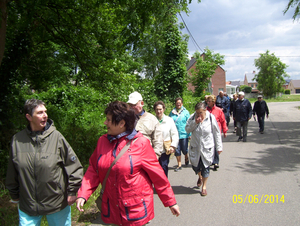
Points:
(294, 86)
(286, 84)
(250, 81)
(217, 81)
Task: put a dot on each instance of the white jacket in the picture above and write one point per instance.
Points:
(204, 139)
(169, 131)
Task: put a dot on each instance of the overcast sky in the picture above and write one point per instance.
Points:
(236, 28)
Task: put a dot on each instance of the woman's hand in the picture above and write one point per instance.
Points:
(172, 149)
(175, 210)
(198, 119)
(79, 203)
(71, 199)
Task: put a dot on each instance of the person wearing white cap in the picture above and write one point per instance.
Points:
(242, 113)
(147, 123)
(261, 109)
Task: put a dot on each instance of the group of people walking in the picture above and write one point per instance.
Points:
(242, 113)
(44, 174)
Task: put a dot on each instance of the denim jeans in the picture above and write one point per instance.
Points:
(61, 218)
(164, 162)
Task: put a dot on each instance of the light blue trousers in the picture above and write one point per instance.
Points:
(61, 218)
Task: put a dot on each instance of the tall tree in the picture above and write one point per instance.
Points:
(171, 80)
(270, 77)
(293, 4)
(206, 64)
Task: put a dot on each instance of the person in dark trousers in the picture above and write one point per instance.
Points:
(232, 104)
(223, 102)
(242, 113)
(261, 109)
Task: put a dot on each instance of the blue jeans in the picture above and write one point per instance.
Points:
(201, 168)
(61, 218)
(182, 146)
(164, 162)
(261, 122)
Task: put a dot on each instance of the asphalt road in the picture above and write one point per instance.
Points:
(258, 182)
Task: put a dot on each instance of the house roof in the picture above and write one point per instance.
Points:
(191, 63)
(287, 81)
(236, 83)
(250, 77)
(296, 83)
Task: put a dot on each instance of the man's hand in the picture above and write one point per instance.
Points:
(219, 152)
(225, 135)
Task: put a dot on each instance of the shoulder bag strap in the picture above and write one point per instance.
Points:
(124, 149)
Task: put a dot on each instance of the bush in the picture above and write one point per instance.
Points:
(246, 89)
(287, 91)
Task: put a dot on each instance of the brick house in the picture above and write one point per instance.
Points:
(294, 86)
(217, 81)
(250, 81)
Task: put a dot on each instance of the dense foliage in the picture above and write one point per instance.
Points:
(77, 56)
(271, 74)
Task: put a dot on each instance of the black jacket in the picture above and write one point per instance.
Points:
(242, 110)
(260, 108)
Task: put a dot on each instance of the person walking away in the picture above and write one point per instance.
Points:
(232, 104)
(261, 109)
(170, 134)
(219, 115)
(146, 123)
(242, 113)
(223, 103)
(44, 173)
(127, 198)
(227, 115)
(180, 115)
(206, 137)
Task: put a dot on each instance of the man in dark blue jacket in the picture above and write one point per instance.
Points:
(242, 113)
(261, 109)
(224, 103)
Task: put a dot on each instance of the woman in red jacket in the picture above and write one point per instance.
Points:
(128, 194)
(220, 117)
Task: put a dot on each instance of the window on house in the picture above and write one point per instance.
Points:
(252, 85)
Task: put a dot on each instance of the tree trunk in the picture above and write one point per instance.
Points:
(3, 7)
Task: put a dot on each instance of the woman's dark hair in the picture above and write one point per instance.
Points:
(159, 103)
(178, 98)
(200, 105)
(31, 104)
(121, 110)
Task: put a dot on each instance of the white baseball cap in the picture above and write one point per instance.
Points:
(134, 98)
(242, 93)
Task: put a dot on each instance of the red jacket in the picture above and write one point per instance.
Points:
(128, 195)
(220, 117)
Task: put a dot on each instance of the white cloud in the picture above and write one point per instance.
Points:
(236, 28)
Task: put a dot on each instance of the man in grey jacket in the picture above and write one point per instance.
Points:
(44, 173)
(147, 123)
